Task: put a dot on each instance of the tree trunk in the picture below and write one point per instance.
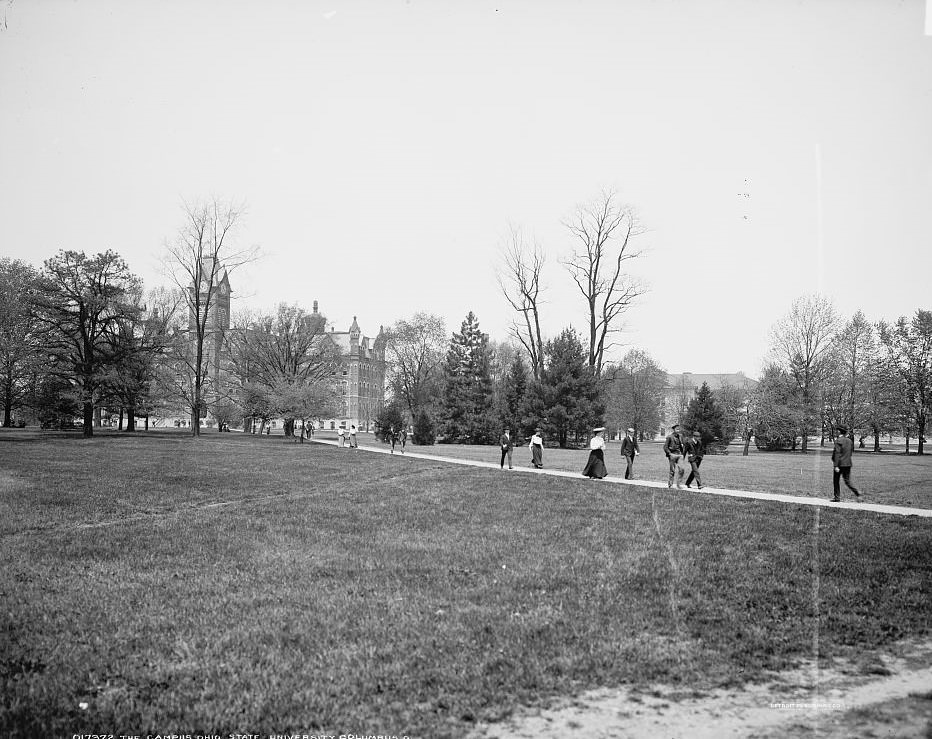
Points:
(876, 439)
(88, 418)
(921, 423)
(147, 422)
(7, 410)
(120, 421)
(130, 418)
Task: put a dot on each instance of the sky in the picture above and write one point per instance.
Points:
(382, 151)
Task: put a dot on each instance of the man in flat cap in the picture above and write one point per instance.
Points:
(841, 459)
(695, 451)
(675, 447)
(629, 450)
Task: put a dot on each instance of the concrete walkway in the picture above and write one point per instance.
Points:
(891, 510)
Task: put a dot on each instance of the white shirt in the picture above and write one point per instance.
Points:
(597, 442)
(536, 440)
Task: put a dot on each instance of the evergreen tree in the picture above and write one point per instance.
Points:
(424, 434)
(705, 415)
(567, 398)
(391, 418)
(512, 392)
(467, 416)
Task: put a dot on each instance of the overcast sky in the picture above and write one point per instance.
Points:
(384, 149)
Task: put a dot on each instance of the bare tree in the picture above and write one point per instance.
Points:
(605, 230)
(802, 343)
(195, 260)
(519, 280)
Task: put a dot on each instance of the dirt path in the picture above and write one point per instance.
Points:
(880, 695)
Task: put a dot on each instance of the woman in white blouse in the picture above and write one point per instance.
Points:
(595, 466)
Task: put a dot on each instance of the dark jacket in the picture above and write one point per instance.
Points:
(629, 447)
(841, 454)
(674, 444)
(695, 449)
(506, 442)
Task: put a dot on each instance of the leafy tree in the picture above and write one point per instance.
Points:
(466, 414)
(19, 342)
(424, 433)
(391, 418)
(776, 410)
(567, 397)
(414, 355)
(54, 401)
(82, 303)
(908, 344)
(140, 344)
(290, 356)
(634, 391)
(733, 400)
(706, 416)
(302, 400)
(802, 343)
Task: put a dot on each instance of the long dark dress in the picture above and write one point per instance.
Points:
(595, 466)
(537, 454)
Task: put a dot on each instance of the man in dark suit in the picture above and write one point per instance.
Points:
(507, 446)
(841, 459)
(674, 448)
(695, 451)
(629, 450)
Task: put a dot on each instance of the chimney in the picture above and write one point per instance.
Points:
(315, 306)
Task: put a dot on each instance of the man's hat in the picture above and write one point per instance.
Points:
(675, 426)
(696, 433)
(538, 429)
(841, 428)
(630, 431)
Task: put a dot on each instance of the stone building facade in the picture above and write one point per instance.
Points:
(681, 388)
(360, 376)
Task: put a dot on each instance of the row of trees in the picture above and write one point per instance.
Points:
(824, 371)
(80, 335)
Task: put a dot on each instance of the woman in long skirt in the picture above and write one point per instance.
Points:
(537, 449)
(595, 466)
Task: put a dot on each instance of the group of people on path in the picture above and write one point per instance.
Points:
(348, 437)
(680, 450)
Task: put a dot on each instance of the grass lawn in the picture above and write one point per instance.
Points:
(157, 584)
(886, 478)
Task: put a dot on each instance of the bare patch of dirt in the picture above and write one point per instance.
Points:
(881, 695)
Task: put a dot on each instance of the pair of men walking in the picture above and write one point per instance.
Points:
(677, 449)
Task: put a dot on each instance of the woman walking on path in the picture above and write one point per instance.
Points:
(595, 466)
(537, 449)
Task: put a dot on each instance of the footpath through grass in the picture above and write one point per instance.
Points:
(887, 478)
(346, 592)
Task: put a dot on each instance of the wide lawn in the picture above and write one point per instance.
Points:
(888, 477)
(158, 584)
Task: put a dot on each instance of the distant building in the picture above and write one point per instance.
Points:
(680, 389)
(360, 376)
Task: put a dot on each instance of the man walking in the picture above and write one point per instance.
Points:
(342, 436)
(674, 447)
(695, 451)
(507, 447)
(629, 450)
(841, 459)
(404, 438)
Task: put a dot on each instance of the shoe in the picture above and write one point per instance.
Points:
(834, 500)
(688, 487)
(699, 487)
(511, 468)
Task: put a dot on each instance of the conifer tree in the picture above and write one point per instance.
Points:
(705, 415)
(513, 389)
(567, 398)
(466, 416)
